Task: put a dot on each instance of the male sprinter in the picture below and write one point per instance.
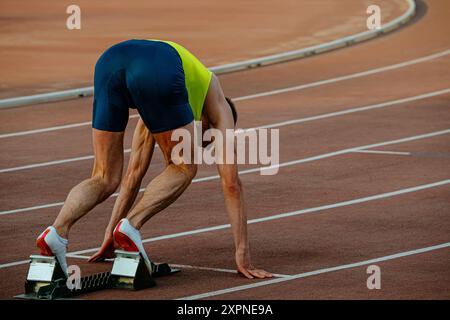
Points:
(169, 88)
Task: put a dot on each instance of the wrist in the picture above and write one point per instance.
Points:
(109, 231)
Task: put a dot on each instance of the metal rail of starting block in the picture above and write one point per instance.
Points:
(47, 281)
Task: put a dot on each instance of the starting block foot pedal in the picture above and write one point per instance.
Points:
(131, 272)
(44, 273)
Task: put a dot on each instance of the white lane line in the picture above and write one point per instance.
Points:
(76, 256)
(13, 264)
(44, 206)
(349, 150)
(79, 256)
(260, 169)
(49, 129)
(182, 266)
(262, 94)
(270, 217)
(203, 268)
(356, 109)
(46, 164)
(273, 125)
(185, 266)
(347, 77)
(316, 272)
(51, 163)
(399, 153)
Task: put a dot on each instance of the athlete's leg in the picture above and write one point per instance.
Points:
(170, 184)
(141, 154)
(106, 176)
(110, 117)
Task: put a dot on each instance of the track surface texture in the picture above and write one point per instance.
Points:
(365, 156)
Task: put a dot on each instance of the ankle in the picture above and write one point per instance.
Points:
(135, 223)
(62, 231)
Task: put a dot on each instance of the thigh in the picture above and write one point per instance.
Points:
(167, 145)
(108, 152)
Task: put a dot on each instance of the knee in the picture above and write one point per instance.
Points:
(192, 171)
(111, 184)
(189, 171)
(107, 182)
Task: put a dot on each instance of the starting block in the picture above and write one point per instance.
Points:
(129, 271)
(46, 280)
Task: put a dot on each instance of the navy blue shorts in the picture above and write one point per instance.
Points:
(143, 75)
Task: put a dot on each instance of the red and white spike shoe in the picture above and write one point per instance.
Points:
(51, 244)
(129, 239)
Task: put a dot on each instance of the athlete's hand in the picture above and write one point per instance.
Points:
(245, 267)
(105, 252)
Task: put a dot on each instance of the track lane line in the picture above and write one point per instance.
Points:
(316, 272)
(349, 150)
(397, 153)
(261, 169)
(268, 126)
(52, 163)
(183, 266)
(268, 218)
(347, 77)
(262, 94)
(356, 109)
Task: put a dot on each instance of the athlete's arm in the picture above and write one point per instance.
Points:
(220, 117)
(141, 153)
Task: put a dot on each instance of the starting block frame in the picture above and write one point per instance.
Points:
(46, 280)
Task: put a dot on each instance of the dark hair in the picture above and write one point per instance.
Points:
(233, 109)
